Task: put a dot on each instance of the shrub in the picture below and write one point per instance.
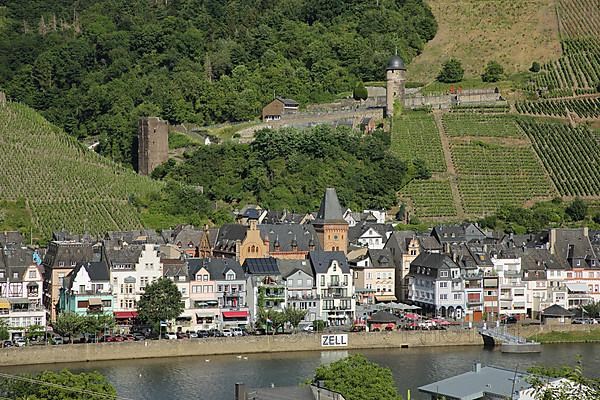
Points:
(452, 71)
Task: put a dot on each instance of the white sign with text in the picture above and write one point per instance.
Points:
(338, 340)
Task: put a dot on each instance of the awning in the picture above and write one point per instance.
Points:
(32, 284)
(385, 297)
(4, 303)
(125, 314)
(18, 301)
(235, 314)
(184, 318)
(94, 301)
(205, 314)
(577, 287)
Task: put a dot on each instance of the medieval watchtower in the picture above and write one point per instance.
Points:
(153, 144)
(395, 78)
(330, 226)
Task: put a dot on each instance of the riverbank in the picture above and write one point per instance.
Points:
(258, 344)
(591, 335)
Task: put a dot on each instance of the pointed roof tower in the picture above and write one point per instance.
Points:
(330, 211)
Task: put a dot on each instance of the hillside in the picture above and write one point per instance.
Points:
(47, 176)
(514, 33)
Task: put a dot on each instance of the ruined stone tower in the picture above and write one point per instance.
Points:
(153, 144)
(395, 78)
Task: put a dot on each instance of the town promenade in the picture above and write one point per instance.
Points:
(257, 344)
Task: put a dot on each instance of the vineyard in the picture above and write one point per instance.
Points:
(64, 185)
(570, 154)
(493, 175)
(415, 136)
(578, 70)
(430, 198)
(583, 107)
(480, 125)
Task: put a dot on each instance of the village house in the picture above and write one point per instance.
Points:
(334, 286)
(374, 277)
(291, 242)
(265, 287)
(176, 270)
(300, 287)
(279, 107)
(371, 235)
(203, 309)
(21, 292)
(239, 241)
(61, 258)
(87, 290)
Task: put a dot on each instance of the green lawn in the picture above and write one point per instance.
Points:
(568, 337)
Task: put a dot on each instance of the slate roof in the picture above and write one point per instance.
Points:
(141, 236)
(556, 311)
(216, 267)
(283, 217)
(433, 261)
(400, 239)
(571, 243)
(429, 243)
(174, 267)
(355, 232)
(69, 253)
(96, 270)
(261, 266)
(124, 255)
(304, 235)
(288, 102)
(186, 235)
(472, 385)
(457, 233)
(10, 237)
(383, 317)
(541, 259)
(381, 258)
(321, 260)
(289, 267)
(228, 235)
(330, 210)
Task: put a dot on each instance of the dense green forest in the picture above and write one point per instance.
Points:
(291, 168)
(94, 66)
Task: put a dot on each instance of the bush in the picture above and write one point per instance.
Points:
(577, 210)
(535, 67)
(452, 71)
(493, 72)
(360, 92)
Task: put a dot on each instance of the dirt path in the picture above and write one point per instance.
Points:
(460, 212)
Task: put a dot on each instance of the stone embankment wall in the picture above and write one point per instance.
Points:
(251, 344)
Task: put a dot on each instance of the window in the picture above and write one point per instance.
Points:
(299, 282)
(230, 276)
(1, 274)
(183, 291)
(143, 282)
(15, 275)
(81, 289)
(457, 296)
(355, 275)
(181, 278)
(379, 275)
(197, 289)
(443, 297)
(32, 274)
(106, 303)
(309, 282)
(205, 277)
(322, 280)
(291, 283)
(443, 284)
(345, 280)
(220, 288)
(334, 268)
(444, 274)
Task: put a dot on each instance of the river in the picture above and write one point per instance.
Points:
(200, 378)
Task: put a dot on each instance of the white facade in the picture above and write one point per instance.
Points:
(129, 283)
(301, 294)
(336, 291)
(372, 239)
(512, 289)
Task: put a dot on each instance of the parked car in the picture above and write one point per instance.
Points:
(7, 343)
(139, 336)
(582, 321)
(57, 340)
(509, 320)
(170, 335)
(227, 333)
(193, 335)
(237, 332)
(20, 342)
(182, 335)
(203, 333)
(215, 333)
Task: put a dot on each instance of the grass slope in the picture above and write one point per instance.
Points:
(62, 184)
(512, 32)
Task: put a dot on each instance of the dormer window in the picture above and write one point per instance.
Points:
(61, 263)
(230, 276)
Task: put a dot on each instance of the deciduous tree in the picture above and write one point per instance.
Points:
(161, 301)
(452, 71)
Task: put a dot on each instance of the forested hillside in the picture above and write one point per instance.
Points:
(290, 169)
(94, 66)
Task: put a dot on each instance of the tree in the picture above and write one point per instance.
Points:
(63, 385)
(98, 323)
(69, 324)
(161, 301)
(535, 67)
(575, 386)
(294, 316)
(577, 210)
(273, 318)
(356, 378)
(35, 331)
(4, 334)
(421, 170)
(360, 92)
(493, 72)
(452, 71)
(592, 309)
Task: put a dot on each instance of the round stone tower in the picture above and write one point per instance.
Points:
(395, 78)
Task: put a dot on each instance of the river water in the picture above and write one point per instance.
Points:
(213, 378)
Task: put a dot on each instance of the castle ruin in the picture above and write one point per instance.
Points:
(153, 144)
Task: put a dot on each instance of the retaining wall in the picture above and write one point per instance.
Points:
(250, 344)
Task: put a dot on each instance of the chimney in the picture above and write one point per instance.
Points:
(476, 368)
(240, 392)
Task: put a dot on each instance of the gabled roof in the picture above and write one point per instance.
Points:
(68, 253)
(381, 258)
(261, 266)
(355, 232)
(434, 260)
(429, 243)
(304, 236)
(572, 243)
(556, 311)
(290, 267)
(216, 267)
(541, 259)
(124, 255)
(174, 267)
(288, 102)
(11, 237)
(321, 261)
(230, 233)
(330, 211)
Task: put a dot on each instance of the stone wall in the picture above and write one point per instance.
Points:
(251, 344)
(446, 100)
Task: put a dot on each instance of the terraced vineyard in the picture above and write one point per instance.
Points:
(494, 175)
(570, 154)
(414, 135)
(480, 125)
(583, 107)
(430, 198)
(65, 185)
(579, 67)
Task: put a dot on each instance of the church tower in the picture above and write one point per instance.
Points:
(395, 75)
(330, 226)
